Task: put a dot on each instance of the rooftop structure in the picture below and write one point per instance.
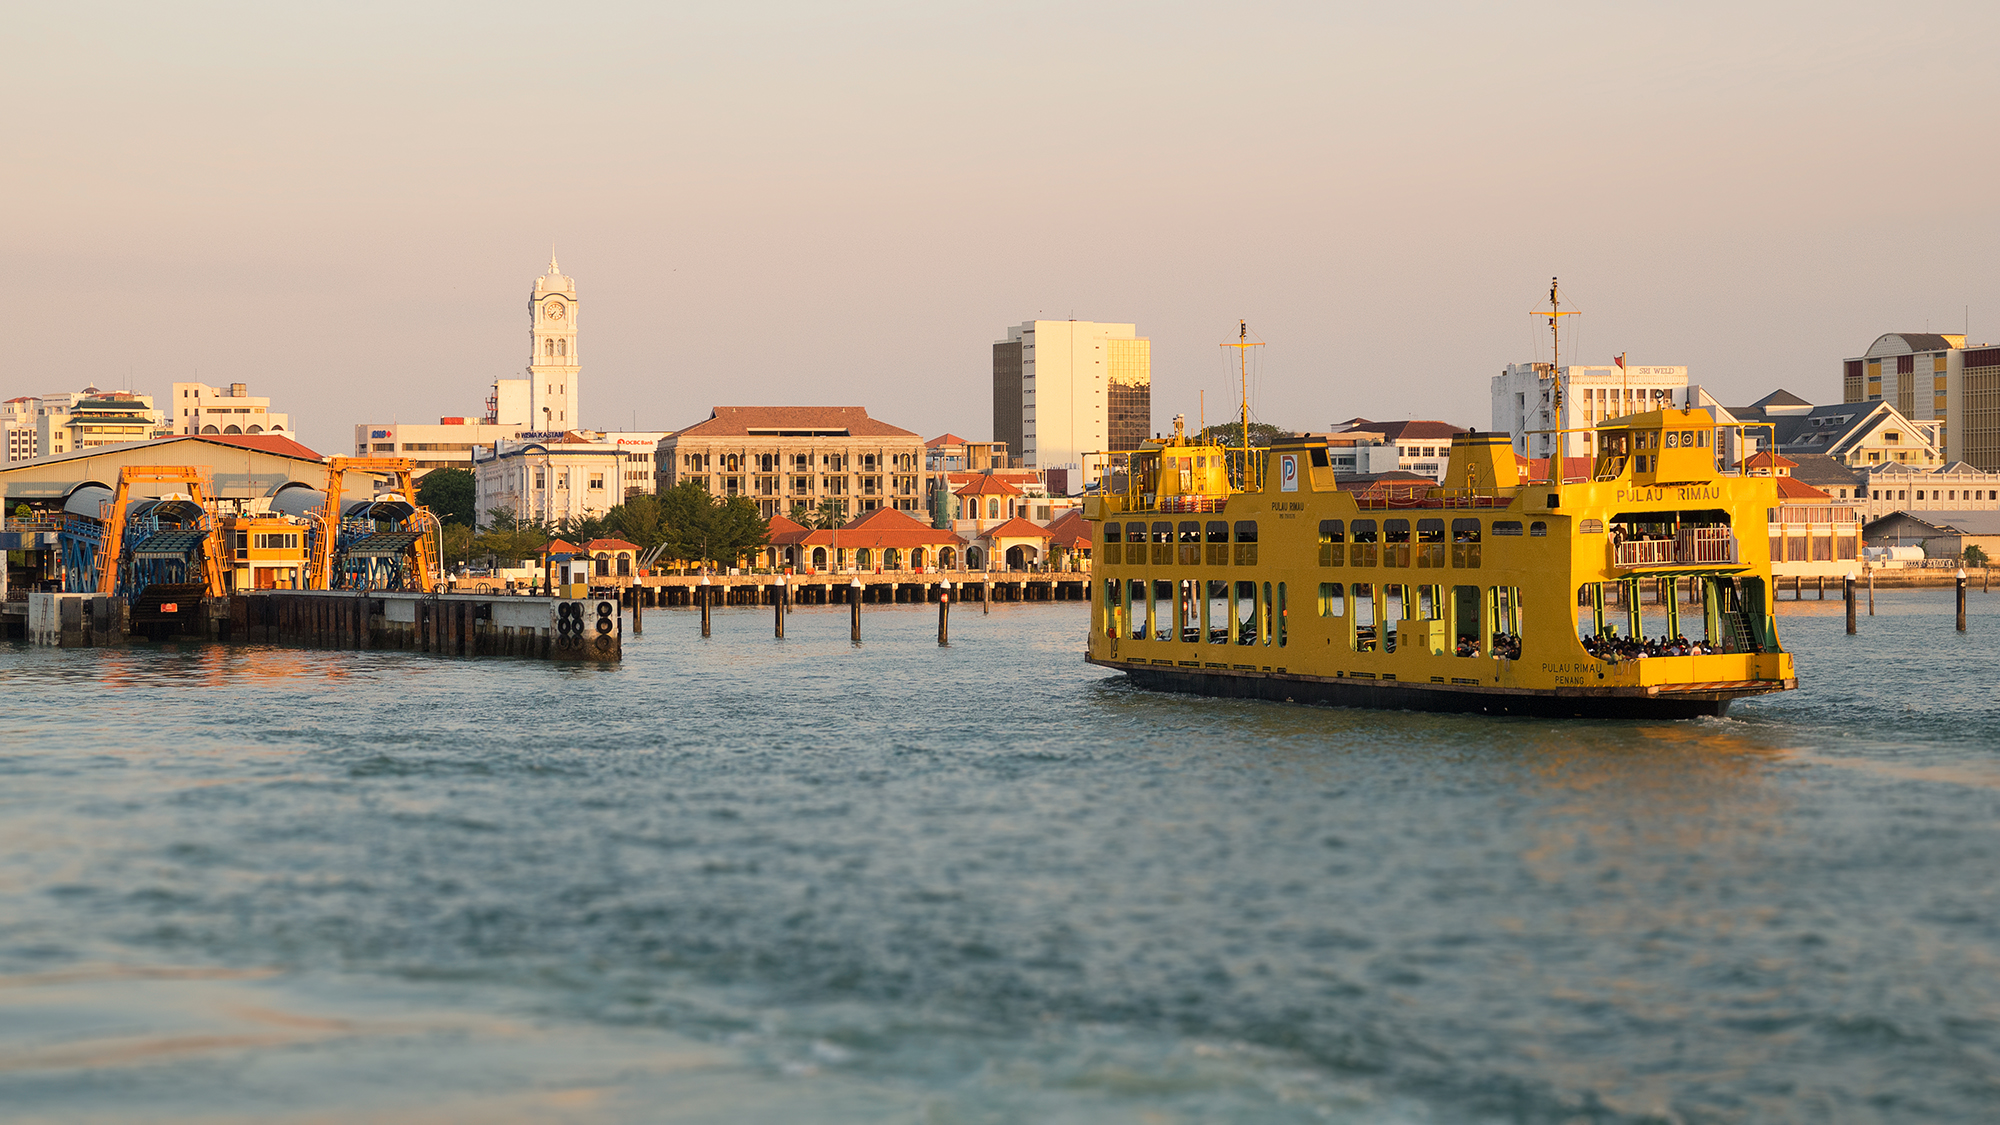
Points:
(197, 408)
(1523, 401)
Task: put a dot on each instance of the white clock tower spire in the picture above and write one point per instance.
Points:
(553, 365)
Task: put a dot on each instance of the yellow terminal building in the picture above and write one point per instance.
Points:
(1632, 584)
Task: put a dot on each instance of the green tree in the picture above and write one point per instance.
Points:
(510, 538)
(1230, 435)
(450, 494)
(801, 514)
(829, 515)
(738, 529)
(1975, 555)
(638, 521)
(458, 541)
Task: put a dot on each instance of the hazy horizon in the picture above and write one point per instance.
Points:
(346, 208)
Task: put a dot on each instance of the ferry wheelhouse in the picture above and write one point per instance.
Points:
(1640, 589)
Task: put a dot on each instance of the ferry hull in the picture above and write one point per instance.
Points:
(1616, 703)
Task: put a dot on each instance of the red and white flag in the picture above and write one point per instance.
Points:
(1620, 361)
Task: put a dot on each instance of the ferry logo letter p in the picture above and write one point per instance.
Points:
(1288, 472)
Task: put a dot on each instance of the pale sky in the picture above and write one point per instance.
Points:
(345, 205)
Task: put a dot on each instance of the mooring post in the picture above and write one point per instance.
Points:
(854, 611)
(778, 607)
(986, 596)
(1961, 599)
(638, 602)
(703, 594)
(944, 614)
(1871, 591)
(1822, 587)
(1850, 603)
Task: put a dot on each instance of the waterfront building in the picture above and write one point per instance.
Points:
(1014, 544)
(949, 453)
(46, 425)
(781, 456)
(1063, 388)
(1070, 541)
(17, 425)
(1812, 534)
(1857, 434)
(1934, 377)
(884, 539)
(569, 477)
(198, 408)
(1957, 487)
(1523, 394)
(1942, 535)
(242, 468)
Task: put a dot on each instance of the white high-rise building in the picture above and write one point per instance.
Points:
(1063, 388)
(198, 408)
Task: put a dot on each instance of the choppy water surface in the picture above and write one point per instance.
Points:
(750, 880)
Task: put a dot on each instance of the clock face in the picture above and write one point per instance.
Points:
(554, 310)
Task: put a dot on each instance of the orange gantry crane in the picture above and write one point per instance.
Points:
(320, 567)
(196, 480)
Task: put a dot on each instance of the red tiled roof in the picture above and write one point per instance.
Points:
(562, 547)
(944, 439)
(738, 421)
(885, 527)
(262, 443)
(1792, 489)
(1070, 530)
(988, 486)
(958, 477)
(1417, 429)
(1537, 468)
(1768, 460)
(785, 532)
(1016, 528)
(611, 545)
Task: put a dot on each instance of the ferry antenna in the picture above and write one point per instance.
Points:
(1243, 345)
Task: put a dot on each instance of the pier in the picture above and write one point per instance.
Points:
(833, 588)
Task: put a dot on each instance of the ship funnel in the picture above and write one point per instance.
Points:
(1483, 463)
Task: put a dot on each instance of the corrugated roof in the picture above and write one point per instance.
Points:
(738, 421)
(1779, 397)
(1822, 471)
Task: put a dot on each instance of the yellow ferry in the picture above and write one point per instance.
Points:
(1252, 572)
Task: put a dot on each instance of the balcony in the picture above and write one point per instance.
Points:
(1693, 546)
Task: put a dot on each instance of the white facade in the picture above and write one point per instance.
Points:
(17, 428)
(637, 472)
(1083, 387)
(198, 408)
(568, 478)
(1522, 395)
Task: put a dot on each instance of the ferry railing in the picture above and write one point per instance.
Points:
(1693, 546)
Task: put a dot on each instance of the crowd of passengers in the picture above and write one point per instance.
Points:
(1615, 648)
(1505, 646)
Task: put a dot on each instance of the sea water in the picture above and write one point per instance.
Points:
(744, 879)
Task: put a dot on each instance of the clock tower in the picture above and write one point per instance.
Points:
(553, 366)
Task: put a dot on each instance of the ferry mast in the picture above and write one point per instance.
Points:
(1243, 345)
(1555, 314)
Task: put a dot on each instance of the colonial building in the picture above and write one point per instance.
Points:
(784, 456)
(1422, 446)
(1523, 401)
(571, 476)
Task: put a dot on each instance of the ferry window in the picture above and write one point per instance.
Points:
(1264, 622)
(1190, 536)
(1364, 617)
(1245, 613)
(1163, 533)
(1215, 612)
(1465, 619)
(1428, 605)
(1163, 611)
(1703, 435)
(1135, 533)
(1190, 532)
(1363, 550)
(1218, 531)
(1506, 527)
(1332, 600)
(1246, 542)
(1393, 608)
(1364, 531)
(1395, 543)
(1465, 543)
(1188, 613)
(1135, 593)
(1505, 606)
(1281, 615)
(1673, 439)
(1538, 528)
(1113, 533)
(1430, 543)
(1332, 542)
